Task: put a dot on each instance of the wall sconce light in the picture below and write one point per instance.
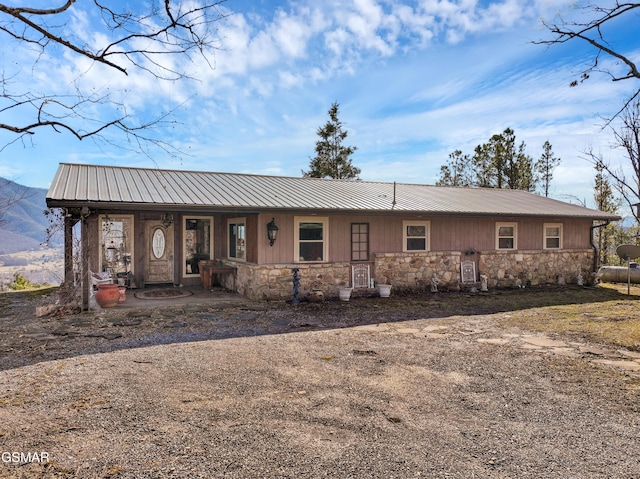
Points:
(272, 231)
(167, 219)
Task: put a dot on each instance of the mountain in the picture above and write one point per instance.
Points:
(23, 224)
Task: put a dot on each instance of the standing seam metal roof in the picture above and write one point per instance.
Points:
(84, 184)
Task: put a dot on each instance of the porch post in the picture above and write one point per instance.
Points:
(84, 246)
(68, 250)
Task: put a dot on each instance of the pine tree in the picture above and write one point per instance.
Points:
(605, 201)
(458, 172)
(500, 164)
(332, 159)
(545, 166)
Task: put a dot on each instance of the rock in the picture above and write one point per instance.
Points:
(47, 310)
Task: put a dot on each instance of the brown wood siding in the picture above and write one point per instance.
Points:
(385, 236)
(449, 233)
(462, 234)
(577, 234)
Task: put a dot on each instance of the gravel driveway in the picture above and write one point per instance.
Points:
(365, 389)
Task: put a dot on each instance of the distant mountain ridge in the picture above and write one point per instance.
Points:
(23, 225)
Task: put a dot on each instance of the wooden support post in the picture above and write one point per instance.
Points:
(68, 251)
(84, 247)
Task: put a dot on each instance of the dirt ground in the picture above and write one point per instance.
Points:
(433, 385)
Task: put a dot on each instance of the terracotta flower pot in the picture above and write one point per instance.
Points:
(107, 295)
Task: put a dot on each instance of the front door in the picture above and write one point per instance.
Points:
(159, 257)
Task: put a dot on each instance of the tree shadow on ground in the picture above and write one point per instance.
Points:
(26, 339)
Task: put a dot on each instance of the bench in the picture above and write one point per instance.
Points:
(208, 269)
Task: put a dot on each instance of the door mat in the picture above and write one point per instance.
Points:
(166, 293)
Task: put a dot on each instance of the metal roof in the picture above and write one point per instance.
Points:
(109, 186)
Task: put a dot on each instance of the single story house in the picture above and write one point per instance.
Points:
(152, 226)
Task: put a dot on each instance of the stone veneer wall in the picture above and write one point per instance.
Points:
(276, 281)
(503, 268)
(536, 267)
(415, 270)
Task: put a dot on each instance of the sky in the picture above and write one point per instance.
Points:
(415, 81)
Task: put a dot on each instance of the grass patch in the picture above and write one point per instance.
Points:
(614, 321)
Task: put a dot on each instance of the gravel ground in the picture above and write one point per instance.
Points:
(365, 389)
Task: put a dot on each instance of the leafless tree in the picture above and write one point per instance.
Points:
(627, 138)
(594, 32)
(159, 38)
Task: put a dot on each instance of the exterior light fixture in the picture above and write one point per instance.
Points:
(167, 219)
(272, 231)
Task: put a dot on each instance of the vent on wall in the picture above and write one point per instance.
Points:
(360, 275)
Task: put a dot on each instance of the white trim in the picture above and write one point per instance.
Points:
(545, 237)
(186, 217)
(513, 225)
(324, 220)
(405, 236)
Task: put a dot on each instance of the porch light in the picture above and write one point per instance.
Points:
(167, 219)
(272, 231)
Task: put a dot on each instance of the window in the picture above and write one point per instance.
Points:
(415, 235)
(359, 241)
(311, 239)
(116, 241)
(198, 245)
(237, 238)
(552, 236)
(506, 236)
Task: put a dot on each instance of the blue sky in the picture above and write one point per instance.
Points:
(415, 81)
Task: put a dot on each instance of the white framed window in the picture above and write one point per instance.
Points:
(415, 236)
(237, 238)
(506, 235)
(197, 242)
(311, 239)
(552, 236)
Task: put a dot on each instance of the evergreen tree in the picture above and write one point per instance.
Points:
(332, 159)
(500, 164)
(605, 199)
(458, 172)
(545, 165)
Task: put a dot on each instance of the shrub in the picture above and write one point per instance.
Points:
(20, 283)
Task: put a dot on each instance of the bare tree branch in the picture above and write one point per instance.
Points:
(139, 37)
(592, 32)
(627, 138)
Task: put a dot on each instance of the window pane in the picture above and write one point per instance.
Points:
(310, 231)
(240, 241)
(553, 243)
(505, 231)
(416, 244)
(416, 231)
(233, 235)
(197, 243)
(553, 231)
(311, 251)
(505, 243)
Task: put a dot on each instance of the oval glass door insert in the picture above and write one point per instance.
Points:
(158, 243)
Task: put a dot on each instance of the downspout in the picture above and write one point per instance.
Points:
(595, 247)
